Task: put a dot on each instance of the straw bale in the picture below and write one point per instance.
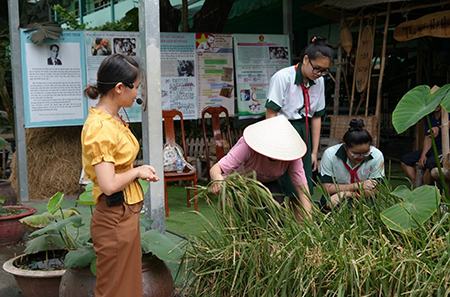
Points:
(54, 161)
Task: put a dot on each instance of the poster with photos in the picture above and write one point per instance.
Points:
(215, 70)
(53, 78)
(178, 73)
(101, 44)
(257, 58)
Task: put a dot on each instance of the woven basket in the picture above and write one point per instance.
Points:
(339, 124)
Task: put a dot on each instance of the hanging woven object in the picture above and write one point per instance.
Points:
(346, 39)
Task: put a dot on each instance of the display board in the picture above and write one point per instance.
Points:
(257, 58)
(215, 70)
(53, 76)
(197, 70)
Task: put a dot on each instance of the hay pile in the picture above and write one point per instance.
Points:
(54, 161)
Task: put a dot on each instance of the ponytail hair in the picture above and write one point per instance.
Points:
(357, 134)
(114, 69)
(318, 48)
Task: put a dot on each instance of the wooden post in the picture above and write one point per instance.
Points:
(337, 83)
(366, 112)
(354, 68)
(380, 79)
(185, 16)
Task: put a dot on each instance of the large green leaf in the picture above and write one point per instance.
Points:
(415, 209)
(3, 142)
(45, 243)
(55, 227)
(413, 106)
(161, 246)
(44, 219)
(144, 185)
(80, 258)
(54, 203)
(86, 198)
(444, 94)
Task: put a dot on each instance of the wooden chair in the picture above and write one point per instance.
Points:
(188, 174)
(220, 138)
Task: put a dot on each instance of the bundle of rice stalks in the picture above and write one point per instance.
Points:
(54, 161)
(256, 248)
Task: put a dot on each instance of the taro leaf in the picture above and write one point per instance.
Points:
(86, 197)
(144, 185)
(45, 243)
(42, 31)
(79, 258)
(54, 203)
(444, 92)
(93, 267)
(161, 246)
(41, 220)
(415, 209)
(55, 227)
(413, 106)
(3, 142)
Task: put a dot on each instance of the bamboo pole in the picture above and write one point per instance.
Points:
(380, 79)
(337, 84)
(444, 129)
(354, 68)
(366, 112)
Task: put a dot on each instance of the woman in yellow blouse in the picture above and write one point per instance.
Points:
(108, 152)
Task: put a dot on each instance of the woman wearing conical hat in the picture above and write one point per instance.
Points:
(270, 148)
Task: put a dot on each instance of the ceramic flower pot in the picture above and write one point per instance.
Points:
(35, 283)
(156, 281)
(11, 230)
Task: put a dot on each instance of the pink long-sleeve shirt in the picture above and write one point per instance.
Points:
(243, 159)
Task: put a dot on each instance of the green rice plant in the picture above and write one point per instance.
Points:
(255, 247)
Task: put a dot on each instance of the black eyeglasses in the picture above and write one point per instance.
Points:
(319, 70)
(359, 155)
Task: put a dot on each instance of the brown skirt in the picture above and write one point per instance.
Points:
(116, 237)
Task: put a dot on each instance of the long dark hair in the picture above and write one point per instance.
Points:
(357, 134)
(114, 69)
(318, 48)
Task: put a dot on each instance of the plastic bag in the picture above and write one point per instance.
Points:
(172, 158)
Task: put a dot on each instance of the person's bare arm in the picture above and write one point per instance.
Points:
(304, 202)
(270, 113)
(216, 176)
(111, 182)
(367, 185)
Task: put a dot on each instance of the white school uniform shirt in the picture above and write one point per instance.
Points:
(332, 168)
(286, 93)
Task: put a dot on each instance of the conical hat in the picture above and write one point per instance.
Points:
(275, 138)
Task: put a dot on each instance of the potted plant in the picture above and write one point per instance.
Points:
(42, 265)
(157, 248)
(11, 230)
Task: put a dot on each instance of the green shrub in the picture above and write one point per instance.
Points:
(256, 248)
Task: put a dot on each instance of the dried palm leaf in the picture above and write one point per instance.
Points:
(43, 31)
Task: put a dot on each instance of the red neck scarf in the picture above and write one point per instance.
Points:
(306, 101)
(353, 172)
